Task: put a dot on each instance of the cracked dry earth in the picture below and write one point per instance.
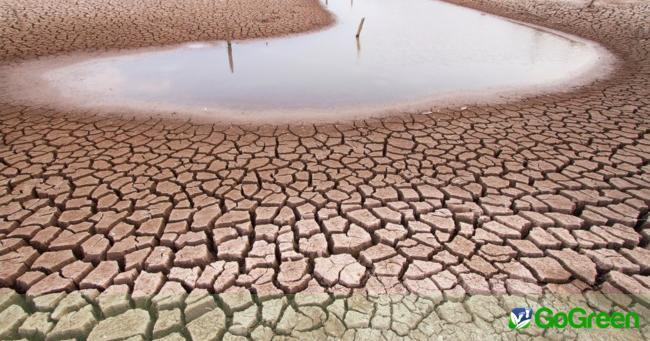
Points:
(419, 226)
(40, 28)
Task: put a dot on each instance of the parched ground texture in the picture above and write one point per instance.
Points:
(415, 226)
(33, 28)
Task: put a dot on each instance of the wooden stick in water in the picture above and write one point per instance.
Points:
(230, 60)
(360, 27)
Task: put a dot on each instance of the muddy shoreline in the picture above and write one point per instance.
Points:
(107, 25)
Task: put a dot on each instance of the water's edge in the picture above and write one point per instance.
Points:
(27, 82)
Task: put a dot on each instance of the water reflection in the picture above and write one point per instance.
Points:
(358, 40)
(412, 49)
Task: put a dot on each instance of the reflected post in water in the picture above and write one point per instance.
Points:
(358, 47)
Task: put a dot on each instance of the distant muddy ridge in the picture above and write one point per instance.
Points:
(69, 25)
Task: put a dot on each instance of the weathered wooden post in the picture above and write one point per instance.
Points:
(230, 61)
(360, 27)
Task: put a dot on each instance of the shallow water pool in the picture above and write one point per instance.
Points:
(410, 54)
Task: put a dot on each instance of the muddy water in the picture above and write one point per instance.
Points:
(411, 53)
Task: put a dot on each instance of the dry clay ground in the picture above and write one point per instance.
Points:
(419, 226)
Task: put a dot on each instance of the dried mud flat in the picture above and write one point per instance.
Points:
(413, 226)
(33, 28)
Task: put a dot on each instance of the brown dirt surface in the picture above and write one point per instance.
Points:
(36, 28)
(412, 226)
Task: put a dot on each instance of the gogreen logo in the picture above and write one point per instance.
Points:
(577, 318)
(520, 318)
